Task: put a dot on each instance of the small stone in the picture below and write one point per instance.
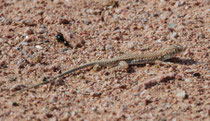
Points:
(17, 87)
(42, 31)
(3, 65)
(179, 3)
(130, 44)
(7, 21)
(118, 11)
(64, 21)
(111, 3)
(137, 88)
(181, 94)
(186, 7)
(24, 43)
(159, 79)
(28, 31)
(15, 104)
(207, 1)
(123, 65)
(187, 80)
(74, 113)
(90, 11)
(53, 119)
(171, 25)
(56, 1)
(156, 15)
(197, 74)
(174, 119)
(163, 16)
(12, 79)
(96, 94)
(159, 40)
(9, 34)
(37, 58)
(49, 115)
(21, 63)
(146, 101)
(53, 99)
(30, 38)
(174, 35)
(109, 47)
(64, 49)
(28, 22)
(39, 47)
(94, 109)
(65, 117)
(1, 40)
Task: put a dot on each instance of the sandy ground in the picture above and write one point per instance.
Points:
(94, 30)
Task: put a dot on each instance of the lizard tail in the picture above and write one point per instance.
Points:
(75, 69)
(60, 75)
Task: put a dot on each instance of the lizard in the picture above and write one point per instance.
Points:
(131, 59)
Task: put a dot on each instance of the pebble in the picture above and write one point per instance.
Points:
(37, 58)
(53, 119)
(39, 47)
(130, 44)
(49, 115)
(1, 40)
(187, 80)
(94, 109)
(197, 74)
(90, 11)
(171, 25)
(28, 31)
(53, 99)
(17, 87)
(24, 43)
(181, 94)
(174, 35)
(163, 16)
(179, 3)
(64, 21)
(56, 1)
(174, 119)
(96, 94)
(30, 38)
(207, 1)
(65, 117)
(118, 11)
(42, 30)
(7, 21)
(28, 22)
(159, 40)
(159, 79)
(12, 79)
(15, 104)
(73, 113)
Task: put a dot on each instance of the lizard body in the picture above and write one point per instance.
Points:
(132, 59)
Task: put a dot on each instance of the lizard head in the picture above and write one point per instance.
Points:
(172, 51)
(177, 48)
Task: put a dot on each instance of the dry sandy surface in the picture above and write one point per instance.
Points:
(30, 53)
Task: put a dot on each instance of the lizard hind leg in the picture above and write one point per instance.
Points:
(122, 65)
(97, 67)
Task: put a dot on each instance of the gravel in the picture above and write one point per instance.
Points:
(93, 30)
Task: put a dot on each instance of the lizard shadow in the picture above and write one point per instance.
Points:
(182, 61)
(174, 60)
